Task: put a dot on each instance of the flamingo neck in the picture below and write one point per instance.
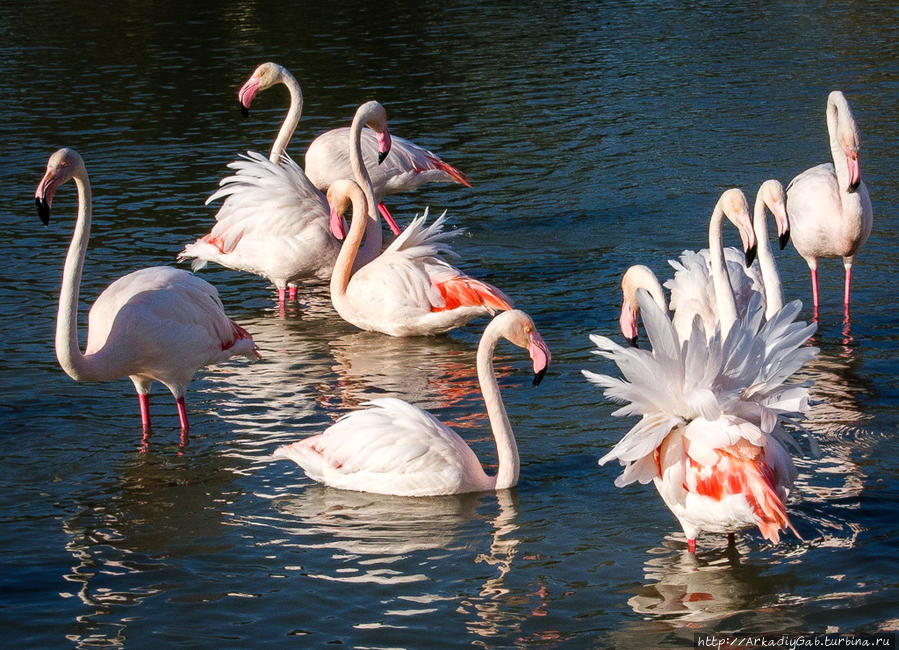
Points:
(344, 265)
(508, 463)
(724, 293)
(374, 239)
(774, 298)
(292, 118)
(68, 351)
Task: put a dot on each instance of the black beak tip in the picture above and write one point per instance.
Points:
(381, 156)
(632, 342)
(43, 210)
(852, 187)
(244, 110)
(783, 239)
(538, 377)
(750, 256)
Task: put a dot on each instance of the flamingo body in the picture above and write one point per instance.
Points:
(156, 324)
(407, 168)
(407, 290)
(393, 447)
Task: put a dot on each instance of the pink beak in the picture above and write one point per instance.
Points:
(337, 225)
(540, 355)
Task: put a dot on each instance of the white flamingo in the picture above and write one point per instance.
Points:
(274, 222)
(828, 205)
(156, 324)
(407, 290)
(710, 434)
(408, 167)
(396, 448)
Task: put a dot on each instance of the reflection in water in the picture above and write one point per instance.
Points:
(126, 548)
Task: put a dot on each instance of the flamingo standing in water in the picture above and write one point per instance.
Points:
(396, 448)
(409, 165)
(710, 436)
(274, 222)
(828, 205)
(407, 290)
(156, 324)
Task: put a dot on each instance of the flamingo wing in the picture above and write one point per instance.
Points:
(392, 447)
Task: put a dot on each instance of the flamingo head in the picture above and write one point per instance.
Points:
(736, 209)
(374, 116)
(263, 77)
(847, 134)
(772, 192)
(518, 328)
(637, 277)
(61, 167)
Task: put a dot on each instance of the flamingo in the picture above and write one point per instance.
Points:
(710, 435)
(274, 222)
(409, 165)
(828, 205)
(407, 290)
(156, 324)
(393, 447)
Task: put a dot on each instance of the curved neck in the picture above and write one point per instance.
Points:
(507, 460)
(374, 239)
(67, 350)
(724, 293)
(836, 147)
(291, 120)
(344, 265)
(774, 298)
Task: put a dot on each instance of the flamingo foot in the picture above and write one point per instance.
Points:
(691, 545)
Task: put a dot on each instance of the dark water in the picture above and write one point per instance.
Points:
(596, 136)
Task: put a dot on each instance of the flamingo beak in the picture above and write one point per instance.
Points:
(855, 175)
(383, 145)
(783, 238)
(43, 195)
(750, 255)
(540, 355)
(628, 323)
(246, 94)
(337, 224)
(632, 342)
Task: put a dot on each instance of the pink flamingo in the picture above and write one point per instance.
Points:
(407, 290)
(396, 448)
(274, 222)
(828, 205)
(156, 324)
(408, 167)
(710, 436)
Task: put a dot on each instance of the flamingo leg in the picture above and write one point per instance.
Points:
(730, 539)
(388, 218)
(815, 289)
(846, 290)
(691, 545)
(281, 295)
(182, 415)
(144, 401)
(292, 292)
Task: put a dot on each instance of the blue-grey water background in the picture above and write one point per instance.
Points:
(596, 135)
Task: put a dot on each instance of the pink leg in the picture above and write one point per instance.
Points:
(815, 289)
(691, 545)
(293, 292)
(846, 290)
(391, 222)
(182, 414)
(144, 400)
(281, 295)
